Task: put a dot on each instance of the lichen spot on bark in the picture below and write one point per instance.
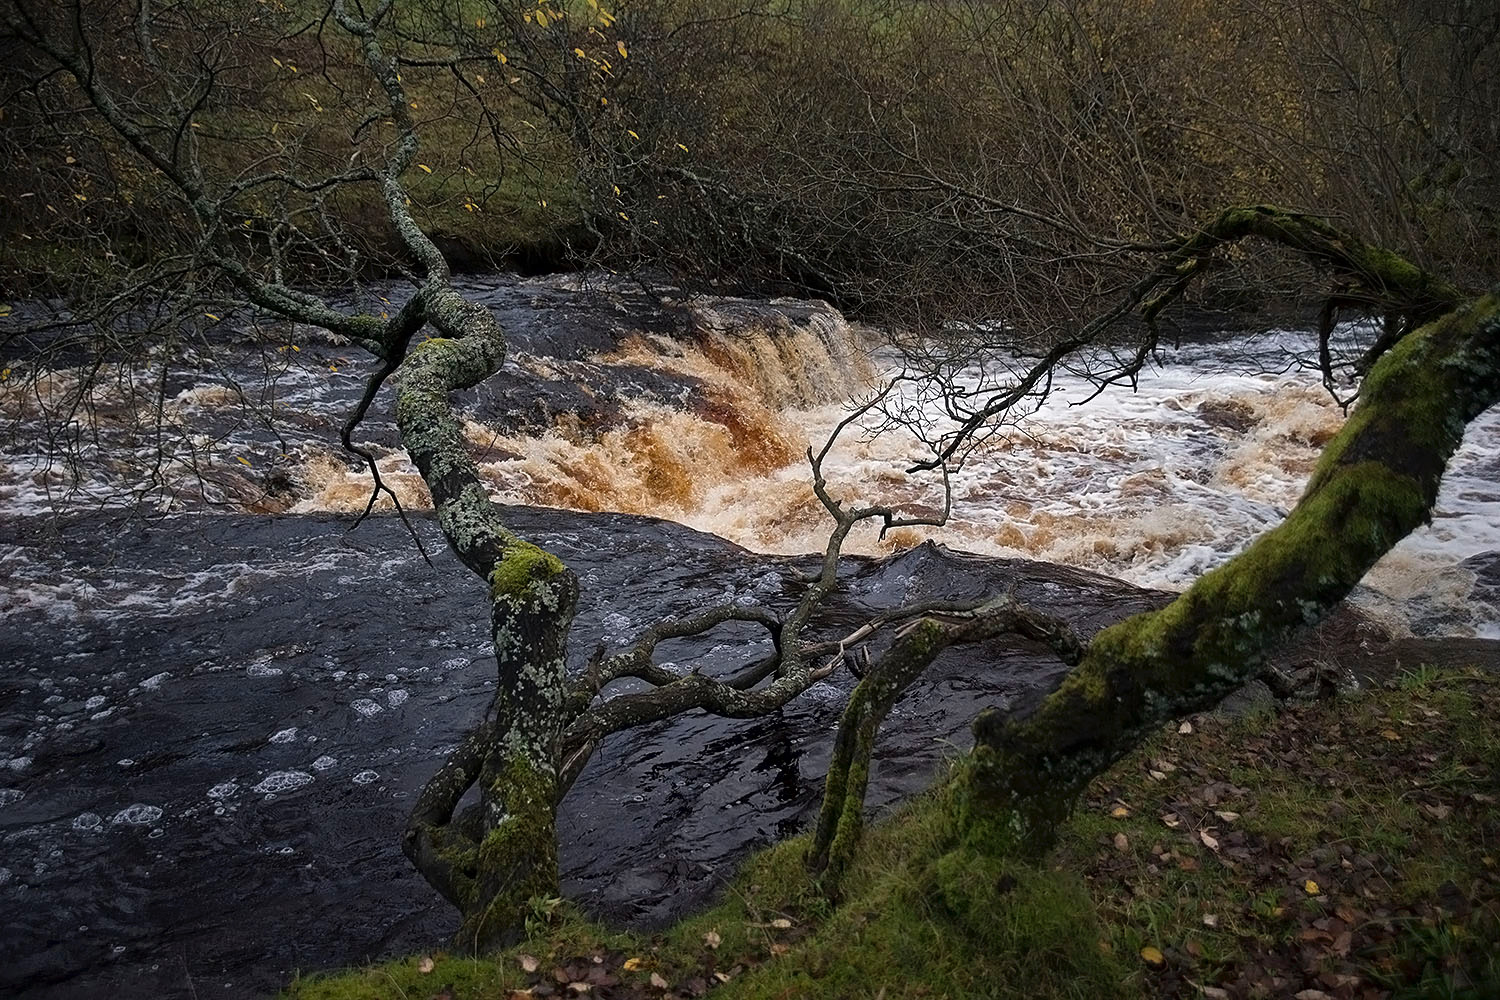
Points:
(522, 565)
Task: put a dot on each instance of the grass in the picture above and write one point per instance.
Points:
(1348, 847)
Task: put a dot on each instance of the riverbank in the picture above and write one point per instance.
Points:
(1344, 849)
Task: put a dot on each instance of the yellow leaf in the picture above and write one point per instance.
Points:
(246, 223)
(580, 53)
(632, 964)
(620, 48)
(425, 168)
(623, 216)
(4, 309)
(541, 19)
(617, 189)
(81, 197)
(478, 22)
(242, 460)
(212, 317)
(499, 56)
(1310, 887)
(277, 62)
(781, 924)
(682, 147)
(1153, 957)
(1119, 812)
(631, 133)
(1390, 734)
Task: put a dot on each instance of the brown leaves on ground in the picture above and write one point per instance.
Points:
(652, 973)
(1307, 859)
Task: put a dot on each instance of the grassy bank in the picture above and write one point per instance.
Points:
(1345, 849)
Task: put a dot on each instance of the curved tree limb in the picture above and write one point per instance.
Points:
(1376, 482)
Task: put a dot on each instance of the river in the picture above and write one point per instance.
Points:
(216, 699)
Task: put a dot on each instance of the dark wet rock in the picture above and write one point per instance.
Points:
(1230, 414)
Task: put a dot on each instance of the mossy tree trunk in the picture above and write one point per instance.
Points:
(1375, 483)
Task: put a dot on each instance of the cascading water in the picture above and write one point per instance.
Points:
(211, 723)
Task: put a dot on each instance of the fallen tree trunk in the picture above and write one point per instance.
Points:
(1376, 482)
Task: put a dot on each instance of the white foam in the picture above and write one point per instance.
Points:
(88, 822)
(278, 782)
(366, 707)
(155, 681)
(10, 796)
(262, 668)
(283, 736)
(323, 763)
(224, 790)
(366, 777)
(138, 814)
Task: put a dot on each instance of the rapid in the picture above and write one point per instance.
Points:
(217, 696)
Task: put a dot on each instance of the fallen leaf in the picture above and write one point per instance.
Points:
(579, 988)
(777, 948)
(425, 965)
(1185, 729)
(658, 981)
(1122, 842)
(722, 977)
(781, 923)
(1311, 888)
(1153, 957)
(1208, 840)
(1438, 811)
(1226, 815)
(1119, 812)
(529, 963)
(1210, 920)
(712, 939)
(632, 964)
(1157, 776)
(1389, 734)
(1313, 995)
(1171, 820)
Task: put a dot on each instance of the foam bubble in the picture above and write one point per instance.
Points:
(323, 763)
(366, 777)
(397, 698)
(155, 681)
(88, 822)
(283, 736)
(138, 814)
(10, 796)
(224, 790)
(366, 707)
(262, 668)
(282, 781)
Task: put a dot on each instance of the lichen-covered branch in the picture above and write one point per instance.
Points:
(1376, 482)
(1370, 278)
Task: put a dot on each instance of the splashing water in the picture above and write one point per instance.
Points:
(703, 415)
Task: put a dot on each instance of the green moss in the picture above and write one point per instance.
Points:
(522, 564)
(516, 860)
